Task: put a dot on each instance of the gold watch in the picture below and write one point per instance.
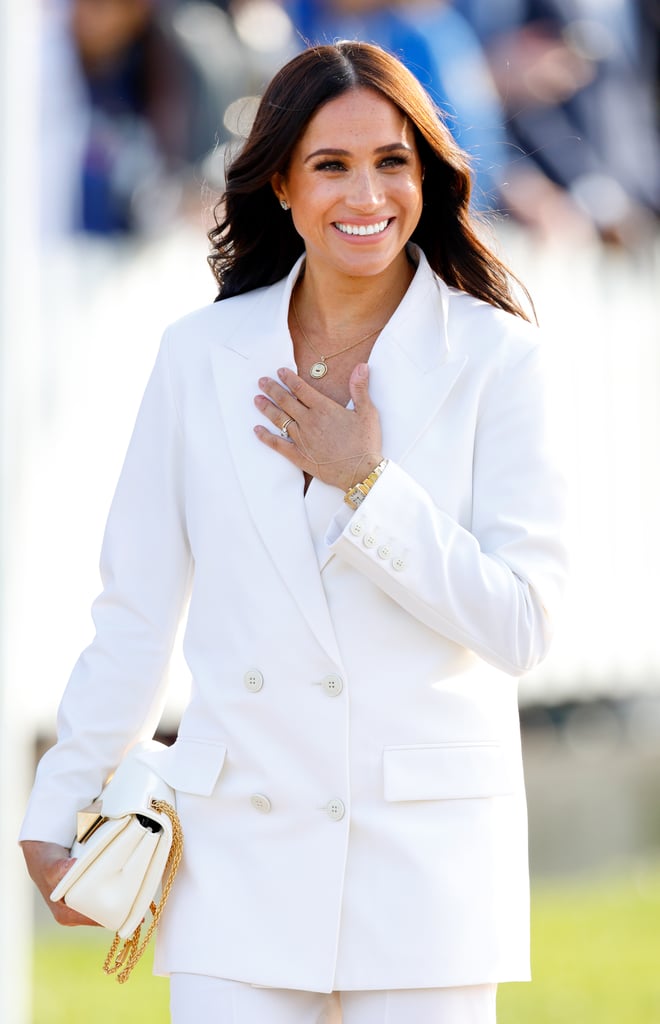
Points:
(355, 495)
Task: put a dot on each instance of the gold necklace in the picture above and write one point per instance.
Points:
(319, 369)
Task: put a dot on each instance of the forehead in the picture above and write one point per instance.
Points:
(359, 115)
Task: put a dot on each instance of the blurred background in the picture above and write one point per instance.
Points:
(116, 120)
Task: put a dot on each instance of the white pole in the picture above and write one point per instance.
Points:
(19, 391)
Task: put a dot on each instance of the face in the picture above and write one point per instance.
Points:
(354, 185)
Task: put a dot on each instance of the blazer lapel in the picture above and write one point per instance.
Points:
(273, 488)
(412, 372)
(412, 369)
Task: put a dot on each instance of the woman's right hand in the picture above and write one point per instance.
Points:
(47, 863)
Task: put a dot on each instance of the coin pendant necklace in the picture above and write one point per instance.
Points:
(320, 367)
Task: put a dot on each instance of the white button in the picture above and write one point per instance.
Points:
(356, 528)
(260, 803)
(253, 680)
(398, 564)
(384, 551)
(335, 809)
(369, 540)
(333, 685)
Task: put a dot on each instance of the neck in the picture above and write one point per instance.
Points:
(338, 307)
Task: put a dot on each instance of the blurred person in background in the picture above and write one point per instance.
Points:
(129, 115)
(578, 82)
(343, 473)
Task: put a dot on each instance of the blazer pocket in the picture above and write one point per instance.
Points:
(446, 771)
(189, 766)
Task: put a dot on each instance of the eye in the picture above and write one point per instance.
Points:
(395, 161)
(329, 165)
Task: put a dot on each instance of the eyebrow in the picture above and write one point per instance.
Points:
(329, 151)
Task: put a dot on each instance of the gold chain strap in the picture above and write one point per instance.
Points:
(122, 961)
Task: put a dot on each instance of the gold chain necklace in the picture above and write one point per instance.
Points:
(319, 369)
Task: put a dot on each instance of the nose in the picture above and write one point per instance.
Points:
(366, 192)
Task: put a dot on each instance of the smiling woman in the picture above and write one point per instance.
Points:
(251, 223)
(355, 207)
(369, 567)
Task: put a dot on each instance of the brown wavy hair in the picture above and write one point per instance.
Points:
(254, 242)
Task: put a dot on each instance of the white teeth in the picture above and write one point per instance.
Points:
(362, 229)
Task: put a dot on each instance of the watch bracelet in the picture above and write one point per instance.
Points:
(356, 494)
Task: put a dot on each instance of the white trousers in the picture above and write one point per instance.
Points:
(196, 998)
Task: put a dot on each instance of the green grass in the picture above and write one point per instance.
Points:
(596, 946)
(595, 954)
(71, 988)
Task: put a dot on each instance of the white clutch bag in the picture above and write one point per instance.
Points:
(129, 845)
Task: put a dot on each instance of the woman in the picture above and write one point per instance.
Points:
(368, 566)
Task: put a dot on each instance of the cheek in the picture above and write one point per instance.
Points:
(311, 207)
(412, 197)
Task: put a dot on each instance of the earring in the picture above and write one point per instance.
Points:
(284, 204)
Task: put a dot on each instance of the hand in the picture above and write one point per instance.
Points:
(47, 863)
(337, 445)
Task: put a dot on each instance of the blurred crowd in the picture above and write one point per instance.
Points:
(556, 100)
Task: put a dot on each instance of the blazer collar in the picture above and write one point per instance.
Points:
(411, 373)
(418, 327)
(412, 368)
(257, 344)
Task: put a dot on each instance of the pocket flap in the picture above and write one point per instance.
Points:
(451, 771)
(189, 766)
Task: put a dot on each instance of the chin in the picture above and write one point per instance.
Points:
(369, 264)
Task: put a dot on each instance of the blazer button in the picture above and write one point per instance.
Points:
(332, 685)
(335, 809)
(253, 680)
(260, 803)
(356, 528)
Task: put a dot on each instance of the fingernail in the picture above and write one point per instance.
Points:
(263, 381)
(363, 370)
(281, 373)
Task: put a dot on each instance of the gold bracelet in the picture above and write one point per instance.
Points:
(355, 495)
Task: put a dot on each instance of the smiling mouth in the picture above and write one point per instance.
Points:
(362, 229)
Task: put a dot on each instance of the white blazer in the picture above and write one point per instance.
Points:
(348, 768)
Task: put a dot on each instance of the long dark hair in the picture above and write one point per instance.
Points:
(254, 242)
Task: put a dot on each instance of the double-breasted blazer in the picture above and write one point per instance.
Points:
(348, 768)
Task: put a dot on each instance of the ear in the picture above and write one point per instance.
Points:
(278, 186)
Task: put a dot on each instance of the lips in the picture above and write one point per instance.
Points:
(362, 229)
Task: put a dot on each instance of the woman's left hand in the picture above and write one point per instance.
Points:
(337, 445)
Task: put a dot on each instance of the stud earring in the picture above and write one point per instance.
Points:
(284, 204)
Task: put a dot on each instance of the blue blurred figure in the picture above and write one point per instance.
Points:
(578, 81)
(129, 114)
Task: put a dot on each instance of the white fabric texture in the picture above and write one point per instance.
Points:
(195, 998)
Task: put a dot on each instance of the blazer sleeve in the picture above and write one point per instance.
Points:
(493, 587)
(116, 692)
